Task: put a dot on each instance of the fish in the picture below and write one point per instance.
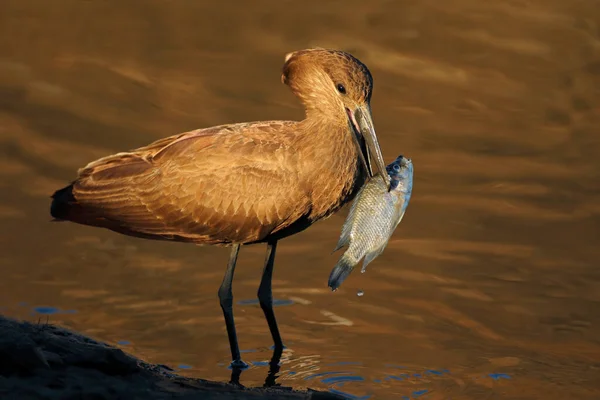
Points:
(374, 215)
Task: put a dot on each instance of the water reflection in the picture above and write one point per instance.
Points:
(350, 382)
(51, 310)
(274, 367)
(276, 302)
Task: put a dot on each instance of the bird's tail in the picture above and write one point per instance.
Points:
(342, 269)
(64, 205)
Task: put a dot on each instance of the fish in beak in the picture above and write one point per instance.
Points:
(365, 139)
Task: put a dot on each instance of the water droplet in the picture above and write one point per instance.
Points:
(360, 293)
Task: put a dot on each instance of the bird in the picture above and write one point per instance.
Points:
(242, 183)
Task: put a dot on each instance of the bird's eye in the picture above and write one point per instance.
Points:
(341, 88)
(396, 167)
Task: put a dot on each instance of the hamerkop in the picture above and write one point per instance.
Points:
(242, 183)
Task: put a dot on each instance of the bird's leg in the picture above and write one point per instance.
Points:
(226, 300)
(235, 376)
(265, 296)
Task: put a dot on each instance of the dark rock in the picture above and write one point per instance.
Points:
(41, 361)
(19, 355)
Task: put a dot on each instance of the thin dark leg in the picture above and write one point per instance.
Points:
(265, 296)
(226, 300)
(235, 376)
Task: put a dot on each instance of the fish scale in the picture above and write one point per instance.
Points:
(373, 217)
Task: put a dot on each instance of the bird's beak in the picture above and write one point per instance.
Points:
(366, 141)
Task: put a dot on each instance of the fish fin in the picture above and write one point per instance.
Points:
(371, 256)
(344, 239)
(346, 234)
(340, 272)
(401, 216)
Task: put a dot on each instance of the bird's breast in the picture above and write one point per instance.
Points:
(334, 184)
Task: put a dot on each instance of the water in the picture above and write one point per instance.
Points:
(492, 278)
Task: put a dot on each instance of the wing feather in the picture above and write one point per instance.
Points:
(236, 183)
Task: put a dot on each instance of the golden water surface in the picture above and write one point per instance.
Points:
(489, 288)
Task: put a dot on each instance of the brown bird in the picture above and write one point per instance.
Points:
(242, 183)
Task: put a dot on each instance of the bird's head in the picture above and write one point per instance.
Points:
(336, 85)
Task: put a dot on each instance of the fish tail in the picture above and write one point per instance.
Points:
(340, 272)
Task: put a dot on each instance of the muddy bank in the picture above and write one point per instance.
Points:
(43, 361)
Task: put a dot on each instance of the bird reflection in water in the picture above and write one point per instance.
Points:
(272, 375)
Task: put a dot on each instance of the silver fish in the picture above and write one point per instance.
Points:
(373, 217)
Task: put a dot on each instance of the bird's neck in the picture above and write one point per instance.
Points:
(329, 139)
(332, 166)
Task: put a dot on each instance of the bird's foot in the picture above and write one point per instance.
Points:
(238, 364)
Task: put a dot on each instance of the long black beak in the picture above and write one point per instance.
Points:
(366, 142)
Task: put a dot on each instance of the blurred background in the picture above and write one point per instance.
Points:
(489, 287)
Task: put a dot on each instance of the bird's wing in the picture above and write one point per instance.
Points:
(235, 183)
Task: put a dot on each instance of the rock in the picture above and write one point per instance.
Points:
(41, 361)
(19, 354)
(52, 358)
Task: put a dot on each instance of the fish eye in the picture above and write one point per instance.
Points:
(341, 88)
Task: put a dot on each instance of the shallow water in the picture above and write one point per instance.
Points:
(489, 287)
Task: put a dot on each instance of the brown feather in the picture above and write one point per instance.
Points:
(240, 183)
(198, 187)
